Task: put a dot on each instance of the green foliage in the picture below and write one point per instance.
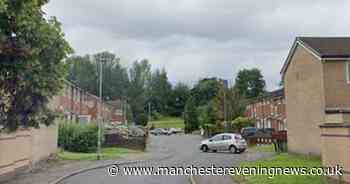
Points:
(78, 137)
(207, 115)
(177, 102)
(263, 148)
(156, 115)
(158, 91)
(168, 122)
(84, 72)
(250, 83)
(242, 122)
(191, 117)
(230, 100)
(139, 75)
(31, 69)
(205, 90)
(107, 153)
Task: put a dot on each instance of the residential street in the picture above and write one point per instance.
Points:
(183, 151)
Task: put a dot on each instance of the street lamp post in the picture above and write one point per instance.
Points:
(101, 60)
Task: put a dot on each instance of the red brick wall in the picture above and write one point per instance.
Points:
(268, 110)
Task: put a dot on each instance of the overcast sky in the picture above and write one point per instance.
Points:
(194, 39)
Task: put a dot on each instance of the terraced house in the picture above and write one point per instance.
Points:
(268, 111)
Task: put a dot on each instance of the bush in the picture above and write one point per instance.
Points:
(156, 116)
(241, 122)
(78, 137)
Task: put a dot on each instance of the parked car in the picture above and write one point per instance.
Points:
(175, 130)
(248, 131)
(224, 142)
(167, 131)
(158, 131)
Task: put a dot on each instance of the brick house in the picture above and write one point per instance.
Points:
(268, 111)
(316, 77)
(77, 104)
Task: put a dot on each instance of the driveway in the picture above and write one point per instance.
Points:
(182, 150)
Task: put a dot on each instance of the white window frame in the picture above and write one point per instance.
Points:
(347, 72)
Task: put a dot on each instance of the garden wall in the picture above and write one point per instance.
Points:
(117, 140)
(336, 147)
(21, 150)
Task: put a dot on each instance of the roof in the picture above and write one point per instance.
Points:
(328, 47)
(277, 93)
(323, 48)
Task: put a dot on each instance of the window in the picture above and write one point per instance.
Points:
(226, 137)
(217, 138)
(348, 72)
(268, 124)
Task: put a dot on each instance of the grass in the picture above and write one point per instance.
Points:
(168, 122)
(283, 160)
(107, 153)
(263, 148)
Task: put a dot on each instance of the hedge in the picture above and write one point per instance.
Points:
(76, 137)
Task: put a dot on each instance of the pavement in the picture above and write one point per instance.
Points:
(162, 151)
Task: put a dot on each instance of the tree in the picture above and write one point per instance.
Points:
(191, 117)
(83, 72)
(139, 75)
(250, 83)
(115, 77)
(205, 90)
(207, 115)
(179, 96)
(32, 49)
(159, 91)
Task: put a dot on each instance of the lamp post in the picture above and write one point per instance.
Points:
(101, 59)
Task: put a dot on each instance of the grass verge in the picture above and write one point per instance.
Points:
(282, 161)
(168, 122)
(107, 153)
(263, 148)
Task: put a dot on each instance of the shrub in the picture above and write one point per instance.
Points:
(156, 116)
(241, 122)
(78, 137)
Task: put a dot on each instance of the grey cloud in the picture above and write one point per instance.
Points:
(199, 38)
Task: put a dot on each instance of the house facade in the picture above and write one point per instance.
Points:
(79, 105)
(268, 111)
(316, 77)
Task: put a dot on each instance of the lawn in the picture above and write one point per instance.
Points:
(107, 153)
(168, 122)
(283, 160)
(263, 148)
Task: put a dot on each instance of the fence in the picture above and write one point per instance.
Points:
(20, 151)
(131, 142)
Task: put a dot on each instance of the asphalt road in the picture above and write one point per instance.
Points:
(182, 150)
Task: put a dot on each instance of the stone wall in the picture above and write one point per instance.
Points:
(21, 150)
(336, 147)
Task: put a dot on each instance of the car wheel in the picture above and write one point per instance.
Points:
(233, 149)
(205, 148)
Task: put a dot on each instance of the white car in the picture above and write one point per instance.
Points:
(224, 142)
(158, 131)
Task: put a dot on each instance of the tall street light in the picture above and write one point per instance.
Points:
(100, 59)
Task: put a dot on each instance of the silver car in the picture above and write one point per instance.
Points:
(224, 142)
